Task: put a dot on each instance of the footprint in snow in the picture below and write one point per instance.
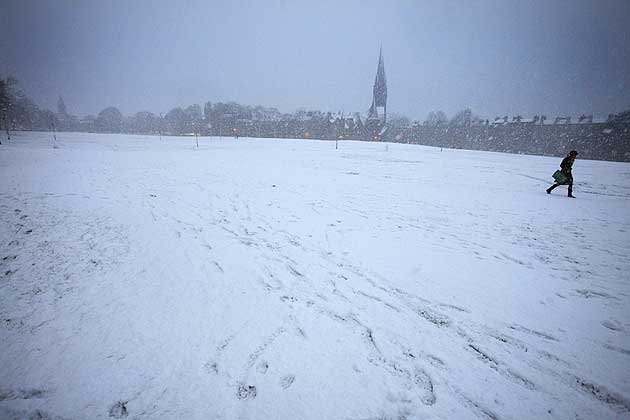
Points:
(21, 394)
(40, 415)
(246, 392)
(211, 367)
(262, 367)
(287, 381)
(612, 325)
(119, 410)
(587, 294)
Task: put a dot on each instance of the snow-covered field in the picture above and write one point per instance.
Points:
(284, 279)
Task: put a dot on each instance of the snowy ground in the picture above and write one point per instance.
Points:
(280, 279)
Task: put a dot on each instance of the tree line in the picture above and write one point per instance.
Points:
(18, 112)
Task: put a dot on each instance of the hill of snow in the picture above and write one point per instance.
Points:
(284, 279)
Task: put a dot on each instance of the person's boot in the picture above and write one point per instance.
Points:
(551, 188)
(570, 195)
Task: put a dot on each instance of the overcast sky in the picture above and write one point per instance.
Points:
(496, 57)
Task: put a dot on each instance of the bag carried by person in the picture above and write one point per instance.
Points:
(560, 177)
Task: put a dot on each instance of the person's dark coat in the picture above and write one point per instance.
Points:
(565, 167)
(567, 164)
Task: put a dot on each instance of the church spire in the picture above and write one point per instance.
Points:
(379, 98)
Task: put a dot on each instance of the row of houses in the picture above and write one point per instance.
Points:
(600, 141)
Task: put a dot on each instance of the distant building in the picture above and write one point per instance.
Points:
(377, 114)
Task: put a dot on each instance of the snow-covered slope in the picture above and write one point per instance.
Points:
(280, 279)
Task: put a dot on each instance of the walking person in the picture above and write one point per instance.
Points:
(564, 175)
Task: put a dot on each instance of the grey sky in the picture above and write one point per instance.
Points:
(496, 57)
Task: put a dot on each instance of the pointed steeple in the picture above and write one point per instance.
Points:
(380, 82)
(379, 92)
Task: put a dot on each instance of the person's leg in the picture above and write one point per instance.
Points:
(552, 187)
(570, 186)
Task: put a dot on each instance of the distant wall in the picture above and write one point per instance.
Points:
(601, 141)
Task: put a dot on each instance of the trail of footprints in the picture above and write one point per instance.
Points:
(421, 379)
(415, 377)
(418, 378)
(6, 267)
(246, 390)
(410, 370)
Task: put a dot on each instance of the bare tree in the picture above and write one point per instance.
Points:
(463, 118)
(436, 118)
(7, 99)
(109, 120)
